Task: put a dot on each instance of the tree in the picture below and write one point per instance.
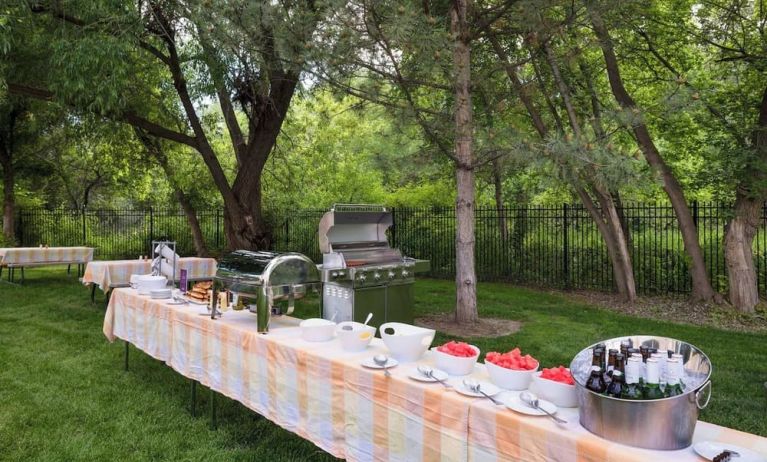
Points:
(238, 54)
(701, 285)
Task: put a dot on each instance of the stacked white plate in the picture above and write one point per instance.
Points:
(160, 293)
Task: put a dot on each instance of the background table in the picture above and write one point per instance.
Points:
(321, 393)
(20, 257)
(109, 274)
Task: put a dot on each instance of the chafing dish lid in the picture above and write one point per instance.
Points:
(267, 268)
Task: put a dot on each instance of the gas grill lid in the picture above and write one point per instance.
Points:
(246, 271)
(356, 234)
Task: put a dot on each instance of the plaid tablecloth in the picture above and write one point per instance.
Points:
(20, 256)
(117, 273)
(321, 393)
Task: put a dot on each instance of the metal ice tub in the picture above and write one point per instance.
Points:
(664, 424)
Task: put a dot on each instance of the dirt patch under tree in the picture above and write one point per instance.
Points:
(485, 327)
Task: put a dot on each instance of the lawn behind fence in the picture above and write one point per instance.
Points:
(65, 397)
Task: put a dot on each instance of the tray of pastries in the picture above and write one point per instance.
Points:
(200, 292)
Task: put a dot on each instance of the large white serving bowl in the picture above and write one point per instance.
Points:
(455, 365)
(510, 379)
(561, 394)
(317, 330)
(356, 339)
(148, 283)
(406, 342)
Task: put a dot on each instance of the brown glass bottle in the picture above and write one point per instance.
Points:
(611, 362)
(595, 382)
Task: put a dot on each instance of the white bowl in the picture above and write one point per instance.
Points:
(561, 394)
(148, 283)
(455, 365)
(356, 339)
(406, 342)
(317, 330)
(510, 379)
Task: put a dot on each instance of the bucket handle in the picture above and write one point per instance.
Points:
(699, 392)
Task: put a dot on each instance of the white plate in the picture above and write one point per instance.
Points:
(439, 374)
(710, 449)
(516, 404)
(369, 363)
(488, 388)
(175, 302)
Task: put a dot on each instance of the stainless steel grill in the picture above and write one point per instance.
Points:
(360, 271)
(267, 283)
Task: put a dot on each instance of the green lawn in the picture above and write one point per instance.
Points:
(64, 395)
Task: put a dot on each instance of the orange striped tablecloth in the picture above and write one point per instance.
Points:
(321, 393)
(315, 390)
(108, 274)
(20, 256)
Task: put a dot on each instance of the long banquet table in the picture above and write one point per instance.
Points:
(321, 393)
(20, 257)
(109, 274)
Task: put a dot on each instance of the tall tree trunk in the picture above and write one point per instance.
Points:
(154, 148)
(7, 135)
(465, 278)
(740, 231)
(701, 286)
(738, 239)
(500, 210)
(9, 202)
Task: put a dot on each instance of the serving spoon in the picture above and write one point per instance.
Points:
(382, 361)
(429, 372)
(532, 401)
(477, 388)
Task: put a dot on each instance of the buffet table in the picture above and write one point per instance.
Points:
(110, 274)
(21, 257)
(323, 394)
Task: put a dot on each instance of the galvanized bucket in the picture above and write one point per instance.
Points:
(664, 424)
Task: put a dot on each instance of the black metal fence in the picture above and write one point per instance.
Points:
(554, 246)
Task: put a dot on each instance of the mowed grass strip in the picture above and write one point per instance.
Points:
(65, 397)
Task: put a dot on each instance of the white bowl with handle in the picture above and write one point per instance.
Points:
(406, 342)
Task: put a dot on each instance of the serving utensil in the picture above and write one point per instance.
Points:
(382, 361)
(532, 401)
(367, 320)
(474, 386)
(429, 372)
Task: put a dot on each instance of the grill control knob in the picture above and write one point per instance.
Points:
(405, 273)
(391, 274)
(362, 277)
(376, 275)
(334, 274)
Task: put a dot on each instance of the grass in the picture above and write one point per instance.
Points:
(65, 397)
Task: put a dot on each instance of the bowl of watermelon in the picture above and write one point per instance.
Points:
(555, 385)
(511, 370)
(456, 358)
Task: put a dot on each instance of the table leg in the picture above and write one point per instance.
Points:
(127, 345)
(22, 276)
(194, 398)
(69, 268)
(213, 425)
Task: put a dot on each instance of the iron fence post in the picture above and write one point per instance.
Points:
(151, 229)
(218, 242)
(394, 227)
(84, 232)
(565, 248)
(287, 233)
(20, 230)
